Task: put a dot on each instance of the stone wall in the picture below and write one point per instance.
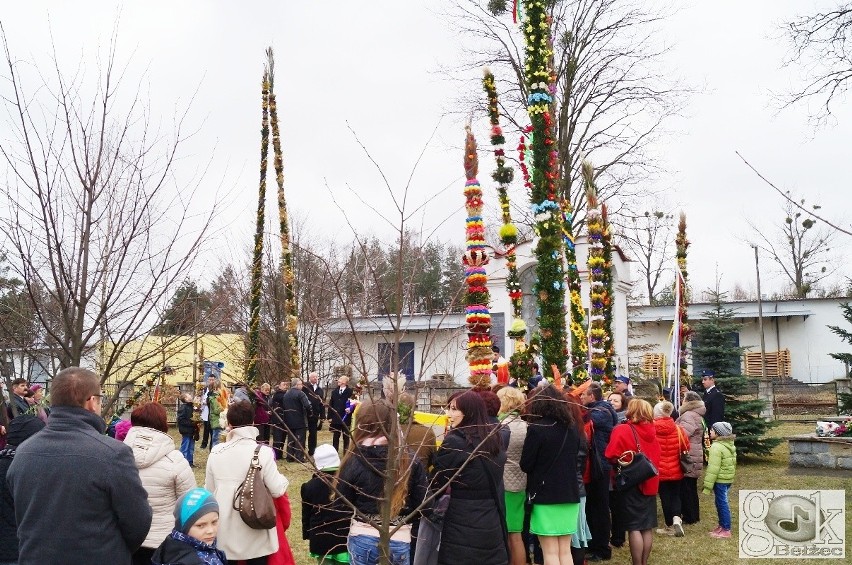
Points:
(820, 452)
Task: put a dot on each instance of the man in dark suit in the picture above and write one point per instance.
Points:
(339, 415)
(276, 418)
(297, 410)
(317, 397)
(714, 400)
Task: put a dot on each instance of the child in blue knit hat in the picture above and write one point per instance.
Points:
(193, 541)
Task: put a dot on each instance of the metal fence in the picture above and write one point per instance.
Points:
(793, 399)
(169, 397)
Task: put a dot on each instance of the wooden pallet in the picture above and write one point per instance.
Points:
(654, 365)
(777, 364)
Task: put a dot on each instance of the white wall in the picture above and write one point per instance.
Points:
(805, 335)
(497, 272)
(440, 351)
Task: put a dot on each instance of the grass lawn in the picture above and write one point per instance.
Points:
(695, 548)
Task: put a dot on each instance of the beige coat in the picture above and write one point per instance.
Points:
(515, 480)
(691, 420)
(165, 475)
(226, 470)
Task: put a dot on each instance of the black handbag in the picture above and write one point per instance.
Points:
(633, 467)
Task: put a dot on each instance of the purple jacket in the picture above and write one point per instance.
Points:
(261, 408)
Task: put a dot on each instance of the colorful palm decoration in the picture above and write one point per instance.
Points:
(598, 335)
(609, 371)
(503, 176)
(682, 244)
(550, 276)
(577, 317)
(475, 258)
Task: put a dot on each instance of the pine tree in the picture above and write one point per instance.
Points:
(713, 348)
(845, 335)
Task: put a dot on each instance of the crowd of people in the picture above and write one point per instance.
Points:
(520, 476)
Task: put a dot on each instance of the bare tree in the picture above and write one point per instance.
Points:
(800, 248)
(819, 45)
(648, 236)
(384, 291)
(612, 96)
(98, 228)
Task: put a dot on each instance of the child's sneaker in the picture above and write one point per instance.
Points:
(715, 530)
(678, 527)
(721, 534)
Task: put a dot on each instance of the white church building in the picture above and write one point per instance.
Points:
(434, 346)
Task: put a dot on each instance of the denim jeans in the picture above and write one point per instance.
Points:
(187, 448)
(364, 550)
(720, 490)
(214, 437)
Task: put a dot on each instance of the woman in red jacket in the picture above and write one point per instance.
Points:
(639, 503)
(672, 442)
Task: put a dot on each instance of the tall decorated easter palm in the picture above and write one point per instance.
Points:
(474, 259)
(253, 342)
(550, 276)
(290, 308)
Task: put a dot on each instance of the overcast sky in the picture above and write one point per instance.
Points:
(375, 67)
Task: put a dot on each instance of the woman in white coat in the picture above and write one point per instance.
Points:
(164, 471)
(226, 470)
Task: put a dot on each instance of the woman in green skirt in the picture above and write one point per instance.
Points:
(549, 458)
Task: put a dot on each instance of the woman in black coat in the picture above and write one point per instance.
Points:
(475, 522)
(549, 459)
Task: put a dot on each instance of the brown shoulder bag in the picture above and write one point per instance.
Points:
(253, 500)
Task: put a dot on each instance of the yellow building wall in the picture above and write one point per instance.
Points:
(151, 353)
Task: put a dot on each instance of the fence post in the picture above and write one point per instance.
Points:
(766, 392)
(842, 386)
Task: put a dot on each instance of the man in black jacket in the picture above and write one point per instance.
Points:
(296, 410)
(604, 419)
(714, 400)
(316, 395)
(20, 429)
(339, 415)
(276, 418)
(71, 475)
(18, 405)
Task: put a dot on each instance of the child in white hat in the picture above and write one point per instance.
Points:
(324, 524)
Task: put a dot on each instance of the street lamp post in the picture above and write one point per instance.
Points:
(760, 317)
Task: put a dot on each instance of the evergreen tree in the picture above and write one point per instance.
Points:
(714, 348)
(845, 335)
(185, 311)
